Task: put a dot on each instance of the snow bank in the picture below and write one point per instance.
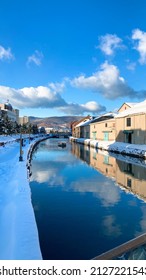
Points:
(112, 146)
(19, 236)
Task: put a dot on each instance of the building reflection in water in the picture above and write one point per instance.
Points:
(129, 174)
(81, 196)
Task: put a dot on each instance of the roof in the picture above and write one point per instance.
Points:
(84, 123)
(130, 104)
(75, 123)
(137, 109)
(104, 117)
(8, 106)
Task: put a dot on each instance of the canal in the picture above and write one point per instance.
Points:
(85, 201)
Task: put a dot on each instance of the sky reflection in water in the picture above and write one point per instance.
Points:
(80, 212)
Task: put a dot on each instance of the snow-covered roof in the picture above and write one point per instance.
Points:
(106, 116)
(84, 123)
(131, 104)
(137, 109)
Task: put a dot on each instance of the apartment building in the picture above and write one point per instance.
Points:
(24, 120)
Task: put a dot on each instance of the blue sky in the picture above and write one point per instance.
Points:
(64, 57)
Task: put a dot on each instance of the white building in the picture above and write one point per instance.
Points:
(12, 114)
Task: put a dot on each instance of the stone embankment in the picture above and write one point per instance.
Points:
(30, 152)
(112, 146)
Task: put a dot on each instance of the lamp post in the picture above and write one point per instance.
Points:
(21, 152)
(29, 133)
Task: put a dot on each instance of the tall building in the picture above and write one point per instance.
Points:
(12, 114)
(24, 120)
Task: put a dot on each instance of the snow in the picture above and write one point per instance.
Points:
(11, 138)
(84, 123)
(112, 146)
(108, 114)
(131, 104)
(19, 236)
(137, 109)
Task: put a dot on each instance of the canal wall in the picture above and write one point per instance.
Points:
(112, 146)
(30, 152)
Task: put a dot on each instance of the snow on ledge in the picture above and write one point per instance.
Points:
(117, 147)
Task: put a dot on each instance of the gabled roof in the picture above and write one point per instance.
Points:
(85, 123)
(75, 123)
(137, 109)
(130, 104)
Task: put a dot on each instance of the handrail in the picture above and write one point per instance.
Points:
(122, 249)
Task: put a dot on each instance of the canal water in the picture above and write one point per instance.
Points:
(85, 201)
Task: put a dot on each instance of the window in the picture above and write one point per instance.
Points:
(106, 159)
(94, 155)
(129, 168)
(94, 135)
(105, 124)
(128, 120)
(129, 183)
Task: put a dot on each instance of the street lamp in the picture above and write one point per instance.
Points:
(21, 152)
(29, 133)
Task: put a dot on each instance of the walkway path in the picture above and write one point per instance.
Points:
(19, 236)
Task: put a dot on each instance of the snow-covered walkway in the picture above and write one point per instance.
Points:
(18, 230)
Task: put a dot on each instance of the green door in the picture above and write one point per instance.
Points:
(94, 135)
(106, 136)
(106, 159)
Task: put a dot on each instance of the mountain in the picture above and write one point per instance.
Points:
(63, 121)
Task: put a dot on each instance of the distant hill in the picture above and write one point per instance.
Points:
(63, 121)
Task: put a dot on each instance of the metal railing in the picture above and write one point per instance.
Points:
(122, 249)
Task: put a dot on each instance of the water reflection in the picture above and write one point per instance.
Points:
(83, 200)
(130, 174)
(110, 226)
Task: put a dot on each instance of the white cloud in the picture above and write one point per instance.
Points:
(140, 45)
(42, 176)
(142, 221)
(79, 109)
(32, 97)
(57, 87)
(46, 97)
(131, 66)
(109, 195)
(106, 81)
(111, 226)
(109, 43)
(49, 177)
(35, 58)
(5, 54)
